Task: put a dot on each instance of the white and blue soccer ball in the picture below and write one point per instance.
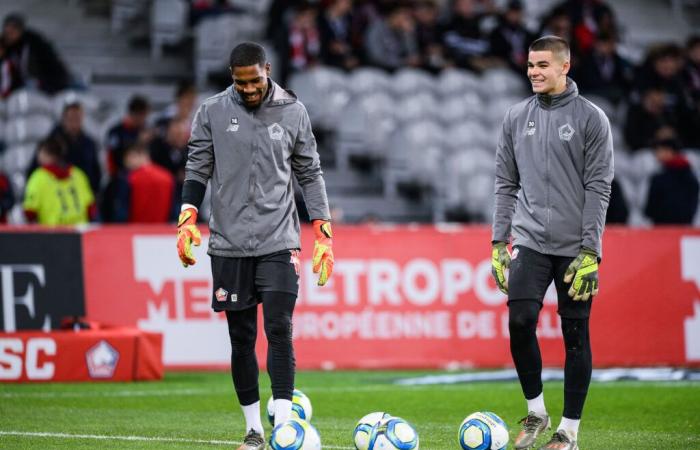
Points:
(483, 431)
(393, 433)
(295, 434)
(360, 435)
(301, 407)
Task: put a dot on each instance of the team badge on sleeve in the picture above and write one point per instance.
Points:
(221, 294)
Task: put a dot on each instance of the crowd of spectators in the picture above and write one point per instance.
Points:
(146, 151)
(660, 95)
(144, 157)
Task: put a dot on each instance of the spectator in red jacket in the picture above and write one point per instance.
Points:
(142, 192)
(151, 188)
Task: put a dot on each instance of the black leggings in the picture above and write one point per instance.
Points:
(242, 328)
(524, 348)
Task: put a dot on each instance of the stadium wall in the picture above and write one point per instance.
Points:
(402, 297)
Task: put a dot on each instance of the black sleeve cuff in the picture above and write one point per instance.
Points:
(193, 193)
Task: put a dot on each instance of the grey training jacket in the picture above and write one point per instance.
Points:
(554, 166)
(250, 156)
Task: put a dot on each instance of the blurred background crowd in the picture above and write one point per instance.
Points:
(406, 99)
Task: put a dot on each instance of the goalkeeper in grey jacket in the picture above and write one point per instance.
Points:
(554, 167)
(249, 141)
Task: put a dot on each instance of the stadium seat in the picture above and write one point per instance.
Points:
(453, 82)
(466, 135)
(453, 110)
(415, 107)
(408, 81)
(474, 104)
(478, 195)
(25, 102)
(168, 24)
(368, 80)
(645, 164)
(364, 128)
(414, 155)
(497, 107)
(28, 129)
(323, 90)
(214, 38)
(123, 11)
(503, 82)
(16, 159)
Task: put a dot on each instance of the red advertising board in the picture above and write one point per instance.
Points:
(405, 296)
(121, 354)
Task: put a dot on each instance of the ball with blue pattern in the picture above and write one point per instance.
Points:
(483, 431)
(393, 433)
(363, 429)
(301, 407)
(295, 434)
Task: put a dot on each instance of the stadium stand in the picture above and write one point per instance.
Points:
(403, 145)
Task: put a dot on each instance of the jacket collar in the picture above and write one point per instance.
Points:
(59, 171)
(276, 95)
(559, 100)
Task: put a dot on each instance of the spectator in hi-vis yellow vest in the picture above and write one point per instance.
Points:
(57, 193)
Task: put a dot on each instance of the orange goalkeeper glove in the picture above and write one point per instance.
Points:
(187, 234)
(322, 259)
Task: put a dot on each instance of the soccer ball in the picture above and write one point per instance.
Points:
(483, 431)
(301, 407)
(364, 427)
(295, 434)
(393, 433)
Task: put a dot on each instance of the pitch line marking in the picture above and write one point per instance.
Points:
(132, 438)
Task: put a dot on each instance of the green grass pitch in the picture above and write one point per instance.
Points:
(199, 410)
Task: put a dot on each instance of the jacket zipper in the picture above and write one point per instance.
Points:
(251, 184)
(547, 182)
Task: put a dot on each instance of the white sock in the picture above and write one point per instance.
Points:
(536, 405)
(252, 418)
(283, 411)
(570, 426)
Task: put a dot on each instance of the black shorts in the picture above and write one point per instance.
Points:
(532, 272)
(237, 282)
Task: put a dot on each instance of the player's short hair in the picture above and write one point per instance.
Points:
(554, 44)
(138, 104)
(247, 54)
(53, 146)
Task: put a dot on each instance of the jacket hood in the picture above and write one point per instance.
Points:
(276, 95)
(559, 100)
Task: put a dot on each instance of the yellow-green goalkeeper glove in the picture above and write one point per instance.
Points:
(500, 261)
(584, 272)
(322, 259)
(187, 234)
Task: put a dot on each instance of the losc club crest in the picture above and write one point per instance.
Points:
(566, 132)
(221, 294)
(276, 131)
(102, 359)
